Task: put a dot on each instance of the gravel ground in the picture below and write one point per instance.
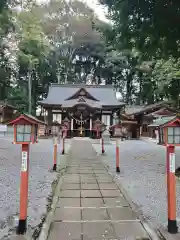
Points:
(143, 176)
(40, 179)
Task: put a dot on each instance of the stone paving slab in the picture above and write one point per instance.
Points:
(90, 180)
(92, 202)
(91, 206)
(95, 214)
(105, 180)
(109, 186)
(72, 179)
(70, 194)
(110, 193)
(90, 186)
(90, 194)
(98, 231)
(65, 214)
(108, 178)
(130, 230)
(68, 202)
(65, 231)
(116, 202)
(123, 213)
(71, 186)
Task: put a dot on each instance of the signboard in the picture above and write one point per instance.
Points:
(24, 162)
(172, 162)
(3, 128)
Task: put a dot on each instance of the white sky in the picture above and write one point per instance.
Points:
(98, 9)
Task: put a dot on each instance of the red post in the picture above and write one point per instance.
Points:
(55, 157)
(117, 157)
(102, 145)
(171, 190)
(24, 190)
(63, 145)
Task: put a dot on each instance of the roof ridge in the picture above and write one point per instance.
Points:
(81, 85)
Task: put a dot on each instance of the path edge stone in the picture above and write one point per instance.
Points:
(167, 236)
(49, 218)
(153, 233)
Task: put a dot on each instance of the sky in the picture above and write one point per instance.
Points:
(98, 9)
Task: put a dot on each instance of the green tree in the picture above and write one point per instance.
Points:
(150, 26)
(6, 28)
(33, 49)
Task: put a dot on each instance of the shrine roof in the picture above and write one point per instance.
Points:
(58, 93)
(140, 109)
(6, 104)
(161, 121)
(162, 112)
(85, 101)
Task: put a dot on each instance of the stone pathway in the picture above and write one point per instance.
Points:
(91, 207)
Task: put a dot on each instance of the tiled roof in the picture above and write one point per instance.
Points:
(89, 102)
(133, 109)
(136, 109)
(161, 121)
(59, 93)
(6, 104)
(33, 118)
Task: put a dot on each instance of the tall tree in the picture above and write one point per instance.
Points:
(6, 28)
(151, 26)
(33, 49)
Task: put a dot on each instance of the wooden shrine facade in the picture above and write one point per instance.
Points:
(7, 112)
(81, 110)
(145, 115)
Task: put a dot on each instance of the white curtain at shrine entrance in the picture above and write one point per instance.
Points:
(72, 124)
(57, 118)
(106, 120)
(90, 125)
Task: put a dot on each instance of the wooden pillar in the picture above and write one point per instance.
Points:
(50, 116)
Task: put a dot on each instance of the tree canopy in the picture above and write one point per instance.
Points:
(150, 28)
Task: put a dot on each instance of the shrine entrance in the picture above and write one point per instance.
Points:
(81, 122)
(81, 129)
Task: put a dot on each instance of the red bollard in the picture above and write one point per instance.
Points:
(63, 146)
(24, 190)
(171, 190)
(55, 157)
(102, 145)
(117, 157)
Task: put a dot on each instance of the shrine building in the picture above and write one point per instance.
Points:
(81, 109)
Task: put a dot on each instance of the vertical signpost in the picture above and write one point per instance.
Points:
(102, 145)
(24, 189)
(117, 156)
(56, 138)
(63, 146)
(55, 154)
(169, 136)
(171, 190)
